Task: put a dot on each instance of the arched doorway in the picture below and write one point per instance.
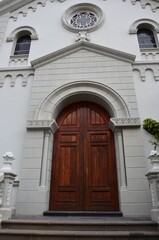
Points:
(84, 168)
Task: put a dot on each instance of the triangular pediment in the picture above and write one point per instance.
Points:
(112, 53)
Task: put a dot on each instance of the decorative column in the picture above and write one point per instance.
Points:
(153, 178)
(48, 127)
(117, 124)
(7, 177)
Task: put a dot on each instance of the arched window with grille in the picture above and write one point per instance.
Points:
(22, 46)
(146, 38)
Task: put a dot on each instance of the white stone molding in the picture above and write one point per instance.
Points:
(145, 21)
(18, 60)
(94, 91)
(144, 3)
(13, 75)
(75, 9)
(42, 125)
(143, 66)
(82, 36)
(124, 123)
(150, 54)
(17, 31)
(83, 45)
(27, 5)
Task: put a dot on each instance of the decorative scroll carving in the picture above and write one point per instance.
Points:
(124, 122)
(43, 124)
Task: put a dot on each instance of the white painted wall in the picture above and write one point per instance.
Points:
(14, 103)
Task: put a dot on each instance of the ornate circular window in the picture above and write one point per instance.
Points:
(83, 17)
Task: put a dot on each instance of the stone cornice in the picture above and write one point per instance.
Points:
(83, 45)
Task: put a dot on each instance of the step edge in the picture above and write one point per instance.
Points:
(78, 233)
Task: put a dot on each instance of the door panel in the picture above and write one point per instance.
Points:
(66, 168)
(83, 169)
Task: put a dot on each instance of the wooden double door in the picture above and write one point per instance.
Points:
(83, 168)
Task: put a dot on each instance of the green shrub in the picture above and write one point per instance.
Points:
(152, 127)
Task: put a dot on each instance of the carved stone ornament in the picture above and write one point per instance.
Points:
(7, 162)
(43, 125)
(124, 122)
(153, 189)
(154, 158)
(82, 36)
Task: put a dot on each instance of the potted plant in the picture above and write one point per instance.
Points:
(152, 127)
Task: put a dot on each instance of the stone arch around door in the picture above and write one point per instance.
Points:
(77, 91)
(47, 112)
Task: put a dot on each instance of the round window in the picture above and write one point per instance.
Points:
(83, 16)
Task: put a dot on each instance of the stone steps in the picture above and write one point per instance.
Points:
(16, 234)
(78, 228)
(81, 225)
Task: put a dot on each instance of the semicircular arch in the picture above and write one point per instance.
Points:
(134, 27)
(15, 32)
(53, 104)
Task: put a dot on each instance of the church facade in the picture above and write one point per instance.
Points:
(77, 79)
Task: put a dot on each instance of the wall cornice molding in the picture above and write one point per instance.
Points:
(13, 75)
(142, 67)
